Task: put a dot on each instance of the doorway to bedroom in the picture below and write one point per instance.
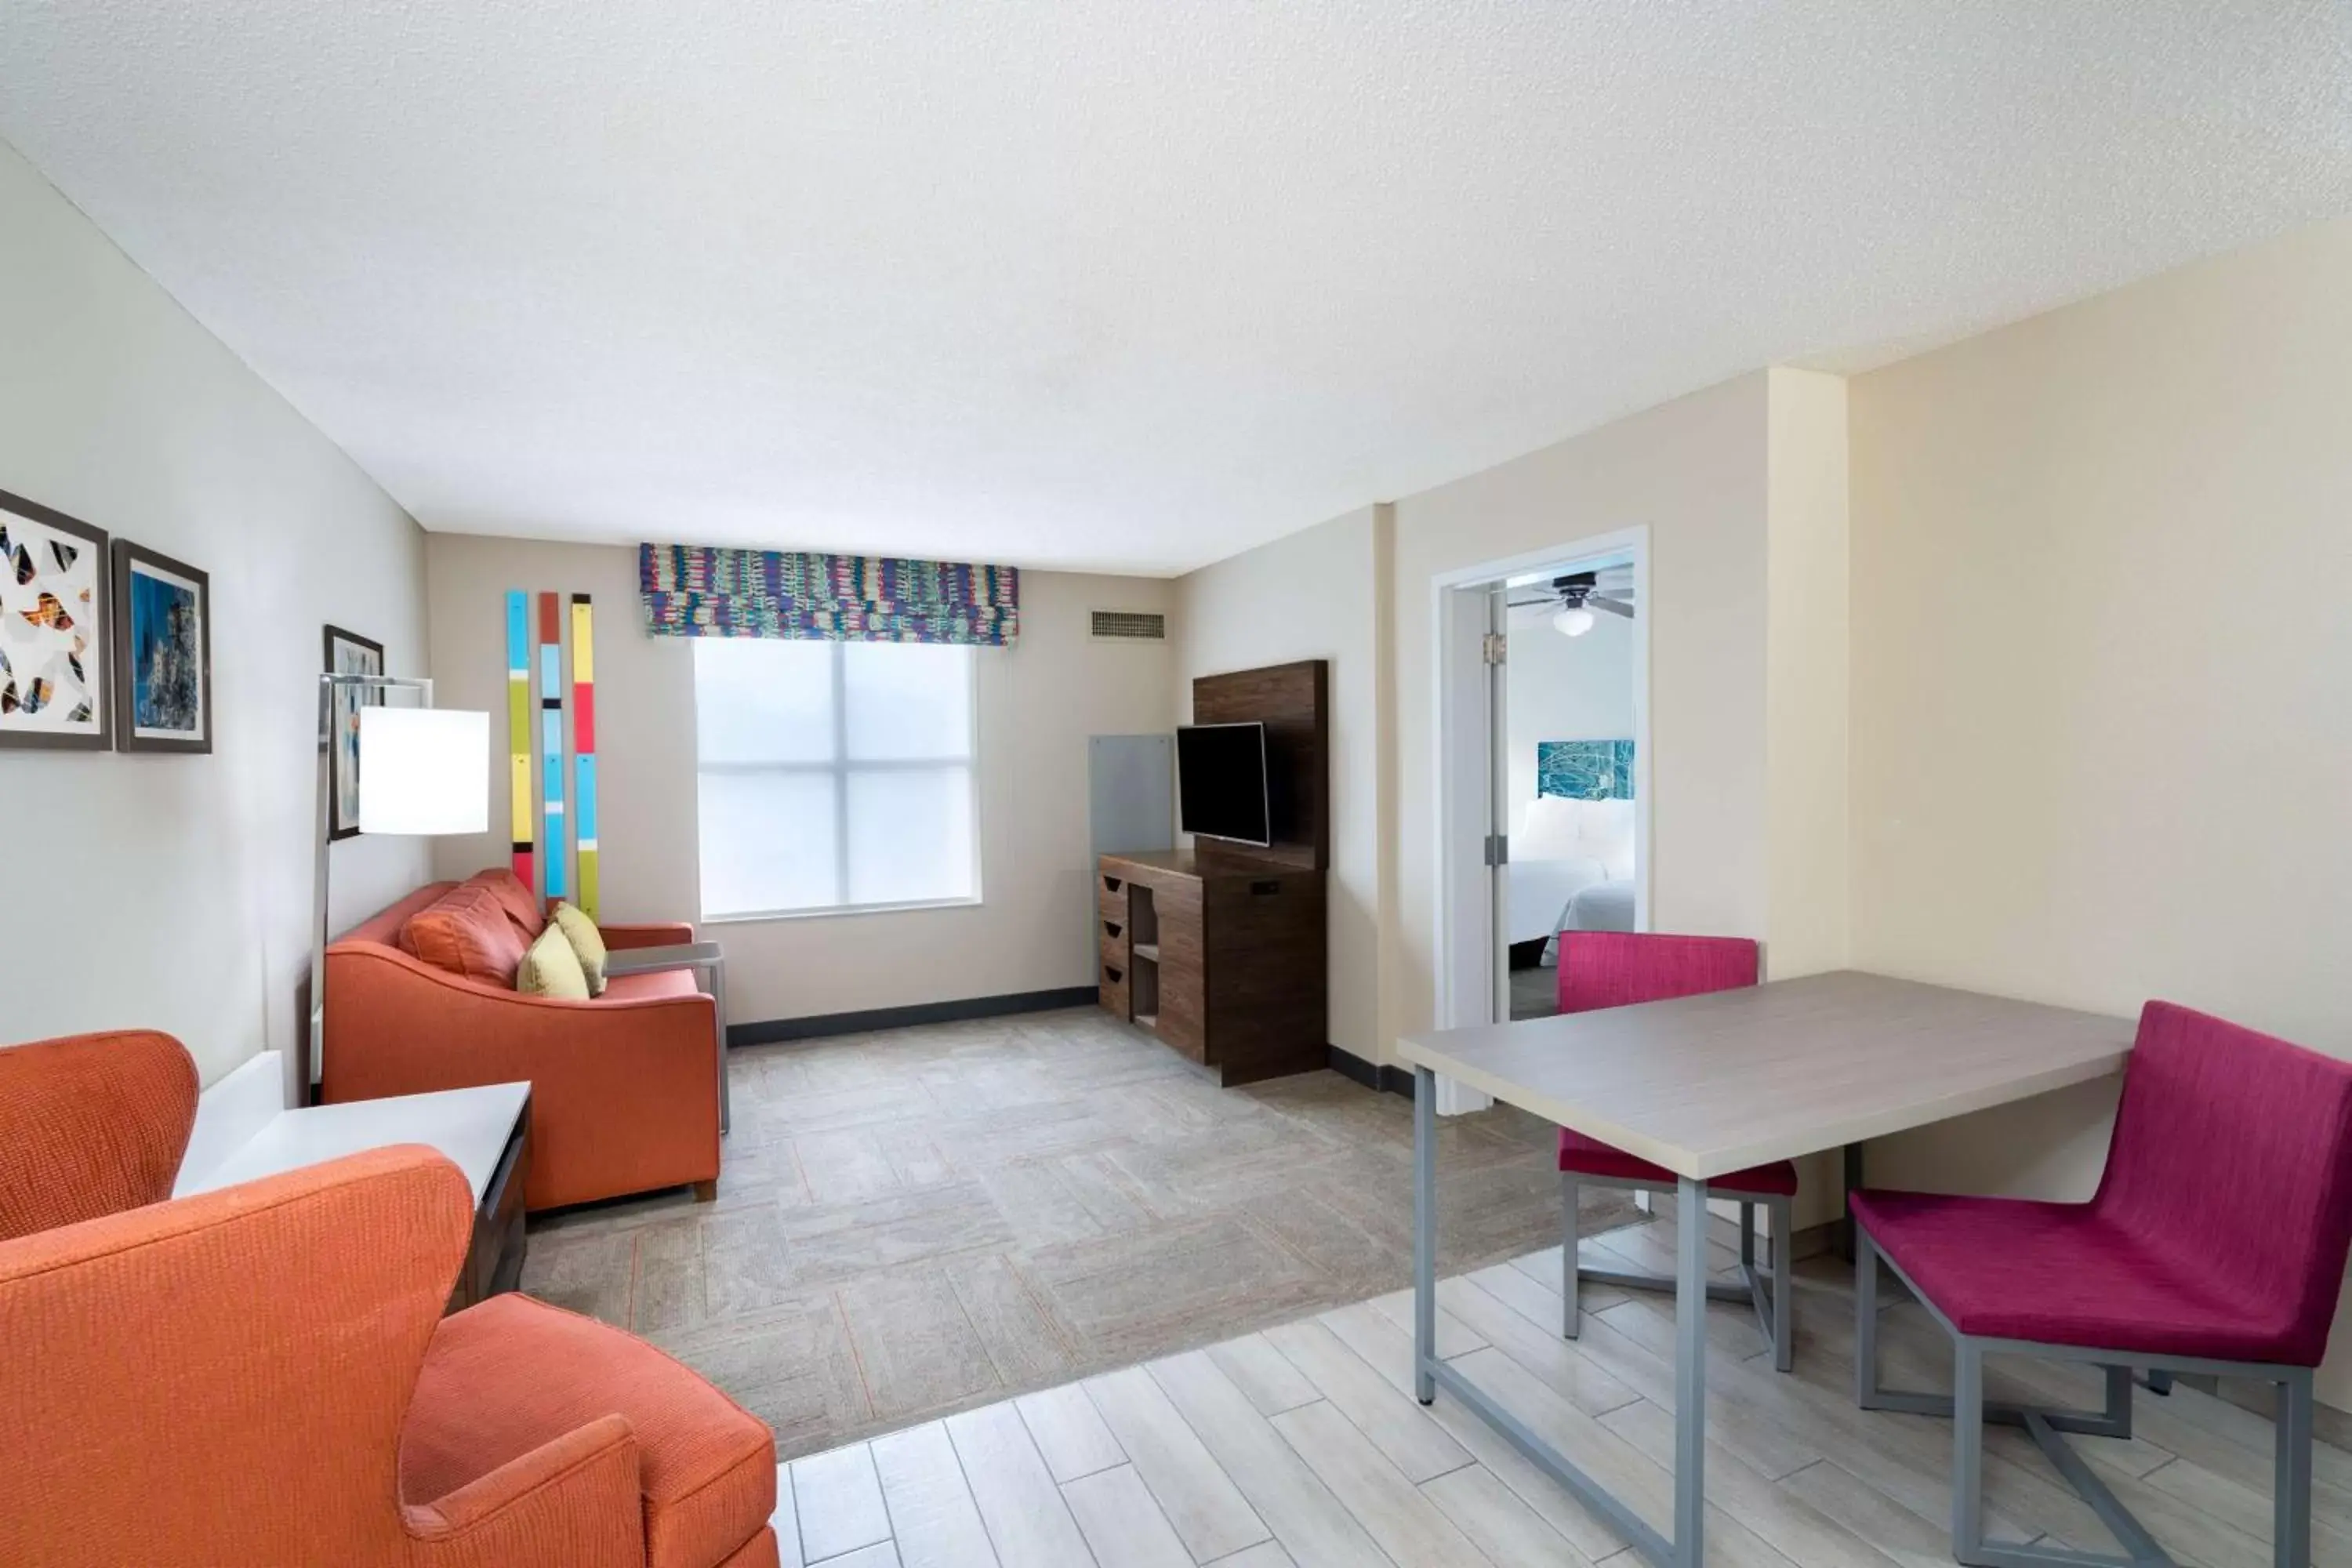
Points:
(1534, 813)
(1567, 759)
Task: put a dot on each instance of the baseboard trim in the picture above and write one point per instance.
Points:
(773, 1031)
(1373, 1076)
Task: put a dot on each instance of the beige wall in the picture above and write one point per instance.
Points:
(1038, 703)
(1312, 596)
(1742, 488)
(2101, 641)
(1693, 471)
(1806, 692)
(175, 893)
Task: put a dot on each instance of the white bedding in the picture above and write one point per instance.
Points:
(1563, 847)
(1604, 906)
(1541, 891)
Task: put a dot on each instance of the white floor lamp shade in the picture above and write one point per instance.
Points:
(424, 770)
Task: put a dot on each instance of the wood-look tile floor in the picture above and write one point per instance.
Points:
(919, 1221)
(1301, 1447)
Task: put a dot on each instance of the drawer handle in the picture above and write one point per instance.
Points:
(1110, 884)
(1116, 976)
(1110, 931)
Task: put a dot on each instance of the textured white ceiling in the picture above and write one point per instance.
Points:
(1128, 285)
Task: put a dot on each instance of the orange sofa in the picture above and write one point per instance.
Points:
(623, 1089)
(262, 1376)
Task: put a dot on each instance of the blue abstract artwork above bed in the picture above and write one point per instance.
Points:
(1585, 770)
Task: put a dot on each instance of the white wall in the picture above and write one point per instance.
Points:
(1562, 688)
(175, 893)
(1038, 703)
(1312, 596)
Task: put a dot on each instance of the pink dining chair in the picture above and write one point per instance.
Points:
(2215, 1244)
(1616, 969)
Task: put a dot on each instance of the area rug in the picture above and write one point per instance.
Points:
(919, 1221)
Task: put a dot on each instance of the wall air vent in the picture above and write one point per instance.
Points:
(1128, 626)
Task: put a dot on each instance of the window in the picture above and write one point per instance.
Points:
(834, 775)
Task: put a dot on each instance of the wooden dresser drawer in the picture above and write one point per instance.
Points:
(1114, 990)
(1110, 898)
(1115, 949)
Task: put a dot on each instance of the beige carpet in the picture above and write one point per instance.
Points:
(920, 1221)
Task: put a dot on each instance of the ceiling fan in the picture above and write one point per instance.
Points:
(1576, 595)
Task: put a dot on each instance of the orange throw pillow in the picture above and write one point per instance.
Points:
(513, 898)
(469, 932)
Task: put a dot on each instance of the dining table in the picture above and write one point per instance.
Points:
(1706, 1085)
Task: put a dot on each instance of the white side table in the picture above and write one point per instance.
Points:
(484, 1131)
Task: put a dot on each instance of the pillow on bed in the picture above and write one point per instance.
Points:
(1607, 836)
(1550, 829)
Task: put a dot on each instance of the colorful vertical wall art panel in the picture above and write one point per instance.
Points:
(519, 727)
(583, 745)
(561, 789)
(551, 746)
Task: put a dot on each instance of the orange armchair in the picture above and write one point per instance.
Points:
(90, 1125)
(623, 1089)
(262, 1376)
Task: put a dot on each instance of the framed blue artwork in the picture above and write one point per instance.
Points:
(1585, 770)
(163, 653)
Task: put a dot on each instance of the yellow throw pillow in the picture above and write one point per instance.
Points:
(587, 943)
(551, 969)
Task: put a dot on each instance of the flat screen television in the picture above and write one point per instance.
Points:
(1221, 790)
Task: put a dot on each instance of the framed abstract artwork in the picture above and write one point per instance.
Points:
(163, 653)
(348, 653)
(55, 637)
(1585, 770)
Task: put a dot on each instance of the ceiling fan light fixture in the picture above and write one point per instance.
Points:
(1572, 622)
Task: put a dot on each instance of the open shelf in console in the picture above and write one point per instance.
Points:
(1143, 950)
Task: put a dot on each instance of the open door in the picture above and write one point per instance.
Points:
(1493, 657)
(1543, 798)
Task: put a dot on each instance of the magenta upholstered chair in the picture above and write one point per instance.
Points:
(2215, 1244)
(1616, 969)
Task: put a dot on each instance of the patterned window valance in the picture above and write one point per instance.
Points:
(695, 592)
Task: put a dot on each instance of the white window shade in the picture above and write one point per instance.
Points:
(835, 776)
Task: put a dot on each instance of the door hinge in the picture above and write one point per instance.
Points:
(1496, 649)
(1498, 849)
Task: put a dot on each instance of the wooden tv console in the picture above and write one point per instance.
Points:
(1222, 952)
(1220, 956)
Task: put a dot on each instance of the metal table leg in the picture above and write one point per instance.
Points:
(1685, 1547)
(1690, 1370)
(1853, 1181)
(719, 998)
(1425, 1235)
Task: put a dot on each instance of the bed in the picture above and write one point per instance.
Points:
(1571, 868)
